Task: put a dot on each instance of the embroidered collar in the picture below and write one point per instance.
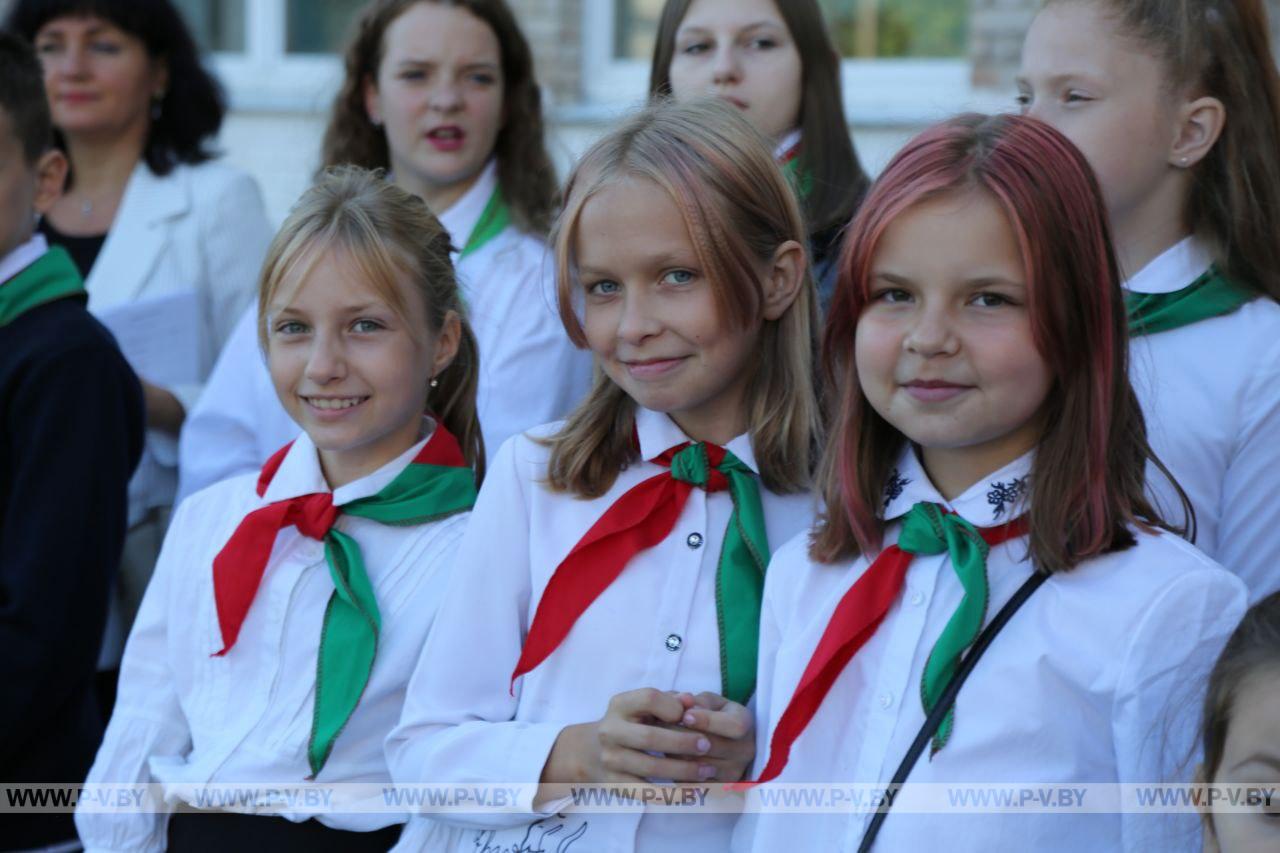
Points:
(995, 499)
(22, 257)
(463, 215)
(658, 432)
(1173, 269)
(300, 473)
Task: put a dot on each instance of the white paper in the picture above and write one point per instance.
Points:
(159, 336)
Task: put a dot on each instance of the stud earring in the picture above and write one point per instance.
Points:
(435, 383)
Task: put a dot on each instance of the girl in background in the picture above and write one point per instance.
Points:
(1241, 729)
(289, 606)
(602, 623)
(987, 443)
(441, 94)
(777, 64)
(1177, 108)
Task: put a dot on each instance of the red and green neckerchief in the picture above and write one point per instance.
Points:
(493, 221)
(790, 163)
(928, 529)
(1211, 295)
(51, 276)
(435, 485)
(644, 516)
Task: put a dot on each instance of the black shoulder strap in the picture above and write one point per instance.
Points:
(947, 699)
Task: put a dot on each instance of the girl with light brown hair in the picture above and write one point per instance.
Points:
(618, 557)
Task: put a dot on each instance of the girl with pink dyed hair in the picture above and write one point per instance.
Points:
(985, 514)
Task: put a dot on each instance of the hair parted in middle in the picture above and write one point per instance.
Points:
(739, 209)
(1088, 478)
(827, 155)
(389, 235)
(525, 172)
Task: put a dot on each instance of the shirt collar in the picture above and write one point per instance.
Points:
(22, 257)
(995, 499)
(791, 140)
(461, 218)
(300, 473)
(1173, 269)
(659, 433)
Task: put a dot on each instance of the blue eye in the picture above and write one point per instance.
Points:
(604, 288)
(366, 326)
(679, 277)
(290, 327)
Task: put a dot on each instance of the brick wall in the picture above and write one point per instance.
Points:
(997, 28)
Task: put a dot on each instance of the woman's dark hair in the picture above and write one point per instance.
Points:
(193, 105)
(827, 155)
(525, 173)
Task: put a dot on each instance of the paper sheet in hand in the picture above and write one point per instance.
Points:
(159, 336)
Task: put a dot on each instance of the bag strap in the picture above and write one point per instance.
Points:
(947, 699)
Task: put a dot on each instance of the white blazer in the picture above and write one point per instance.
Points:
(200, 228)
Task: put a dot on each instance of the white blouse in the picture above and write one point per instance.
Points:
(1211, 395)
(655, 626)
(530, 373)
(186, 717)
(1097, 678)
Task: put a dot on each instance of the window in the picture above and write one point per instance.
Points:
(217, 25)
(319, 27)
(862, 29)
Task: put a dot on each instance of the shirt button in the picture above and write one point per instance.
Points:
(886, 700)
(674, 642)
(694, 540)
(917, 597)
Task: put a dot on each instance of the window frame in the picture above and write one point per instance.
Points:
(887, 92)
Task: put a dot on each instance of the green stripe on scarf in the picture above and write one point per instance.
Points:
(51, 276)
(1211, 295)
(493, 221)
(352, 622)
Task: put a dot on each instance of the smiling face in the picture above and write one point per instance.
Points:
(1109, 97)
(944, 347)
(439, 97)
(350, 370)
(742, 51)
(651, 317)
(99, 78)
(1251, 758)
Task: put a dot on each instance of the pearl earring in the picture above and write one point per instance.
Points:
(435, 383)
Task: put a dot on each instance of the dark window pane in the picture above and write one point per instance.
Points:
(319, 26)
(218, 25)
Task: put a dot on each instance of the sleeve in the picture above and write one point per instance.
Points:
(458, 724)
(534, 375)
(1250, 514)
(224, 434)
(1155, 716)
(63, 527)
(148, 719)
(234, 235)
(763, 701)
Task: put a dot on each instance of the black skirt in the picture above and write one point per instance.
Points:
(221, 832)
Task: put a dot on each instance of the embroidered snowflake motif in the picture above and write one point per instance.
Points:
(894, 487)
(1005, 495)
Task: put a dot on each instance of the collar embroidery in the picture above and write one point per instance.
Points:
(893, 489)
(1006, 494)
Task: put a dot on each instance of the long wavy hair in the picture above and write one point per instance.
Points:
(739, 209)
(389, 235)
(525, 173)
(1088, 478)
